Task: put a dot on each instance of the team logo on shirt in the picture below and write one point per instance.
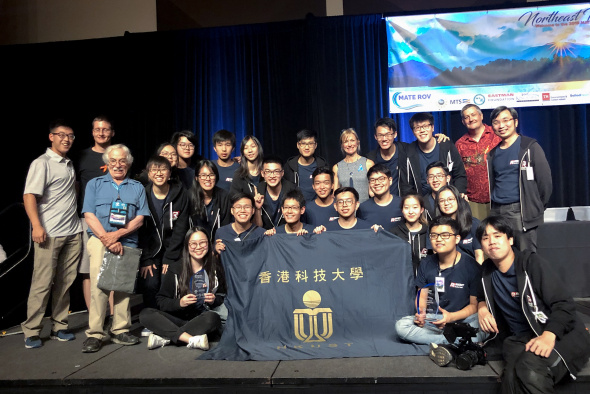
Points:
(515, 294)
(423, 252)
(229, 179)
(175, 215)
(523, 164)
(396, 219)
(457, 285)
(317, 327)
(513, 162)
(333, 218)
(529, 301)
(467, 241)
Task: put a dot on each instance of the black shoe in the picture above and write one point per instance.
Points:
(124, 338)
(108, 323)
(442, 355)
(91, 345)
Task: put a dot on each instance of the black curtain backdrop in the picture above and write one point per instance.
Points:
(270, 80)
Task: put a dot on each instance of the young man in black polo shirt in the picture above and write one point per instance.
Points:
(383, 208)
(523, 303)
(320, 210)
(224, 144)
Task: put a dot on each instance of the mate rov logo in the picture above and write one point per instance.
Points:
(308, 330)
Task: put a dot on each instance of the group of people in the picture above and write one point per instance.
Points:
(456, 204)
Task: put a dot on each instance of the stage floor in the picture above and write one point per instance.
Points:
(62, 367)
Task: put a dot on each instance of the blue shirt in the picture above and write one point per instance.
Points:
(507, 298)
(227, 233)
(316, 215)
(506, 166)
(306, 180)
(461, 281)
(186, 176)
(392, 164)
(226, 175)
(308, 227)
(386, 216)
(101, 193)
(470, 244)
(360, 225)
(425, 160)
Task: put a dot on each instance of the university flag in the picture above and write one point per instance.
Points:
(336, 294)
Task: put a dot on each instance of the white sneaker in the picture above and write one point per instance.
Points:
(156, 341)
(198, 342)
(146, 332)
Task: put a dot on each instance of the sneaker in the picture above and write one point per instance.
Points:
(441, 354)
(33, 342)
(156, 341)
(91, 345)
(124, 338)
(198, 342)
(62, 335)
(146, 332)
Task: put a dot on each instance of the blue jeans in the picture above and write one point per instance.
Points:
(408, 331)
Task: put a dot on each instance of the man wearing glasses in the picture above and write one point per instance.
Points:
(437, 176)
(473, 147)
(273, 188)
(90, 165)
(299, 169)
(114, 208)
(448, 282)
(346, 203)
(425, 150)
(50, 203)
(520, 179)
(383, 208)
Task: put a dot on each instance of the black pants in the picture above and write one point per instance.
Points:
(150, 286)
(171, 327)
(525, 372)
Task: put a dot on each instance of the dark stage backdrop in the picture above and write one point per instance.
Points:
(269, 80)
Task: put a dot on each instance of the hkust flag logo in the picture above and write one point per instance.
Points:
(312, 324)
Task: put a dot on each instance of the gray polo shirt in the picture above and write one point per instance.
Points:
(51, 179)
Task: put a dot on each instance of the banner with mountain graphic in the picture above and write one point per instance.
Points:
(516, 57)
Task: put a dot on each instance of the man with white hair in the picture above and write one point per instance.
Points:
(102, 194)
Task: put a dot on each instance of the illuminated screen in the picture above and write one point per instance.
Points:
(514, 57)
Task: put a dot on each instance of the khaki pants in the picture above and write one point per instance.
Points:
(99, 298)
(55, 269)
(479, 210)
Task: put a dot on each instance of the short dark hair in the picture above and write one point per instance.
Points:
(238, 196)
(500, 223)
(347, 189)
(445, 221)
(387, 123)
(272, 159)
(224, 135)
(184, 133)
(421, 117)
(437, 164)
(420, 200)
(296, 195)
(496, 112)
(158, 161)
(382, 168)
(54, 124)
(305, 133)
(323, 170)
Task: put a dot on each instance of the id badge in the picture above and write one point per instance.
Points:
(439, 283)
(118, 215)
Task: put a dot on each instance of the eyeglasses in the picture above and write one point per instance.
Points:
(319, 183)
(272, 172)
(291, 208)
(381, 179)
(306, 144)
(168, 154)
(242, 207)
(449, 200)
(445, 236)
(422, 127)
(502, 122)
(206, 176)
(161, 170)
(345, 203)
(383, 136)
(436, 176)
(63, 136)
(103, 130)
(198, 244)
(121, 162)
(188, 146)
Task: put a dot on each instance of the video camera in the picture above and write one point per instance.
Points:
(469, 354)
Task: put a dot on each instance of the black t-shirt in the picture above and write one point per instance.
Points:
(89, 165)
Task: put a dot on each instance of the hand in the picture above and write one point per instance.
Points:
(108, 239)
(420, 319)
(319, 229)
(164, 269)
(258, 199)
(116, 248)
(376, 227)
(302, 232)
(446, 318)
(440, 137)
(465, 197)
(209, 298)
(542, 345)
(487, 323)
(39, 234)
(219, 246)
(187, 300)
(143, 271)
(238, 159)
(272, 231)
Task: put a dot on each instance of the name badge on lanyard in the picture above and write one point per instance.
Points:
(118, 216)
